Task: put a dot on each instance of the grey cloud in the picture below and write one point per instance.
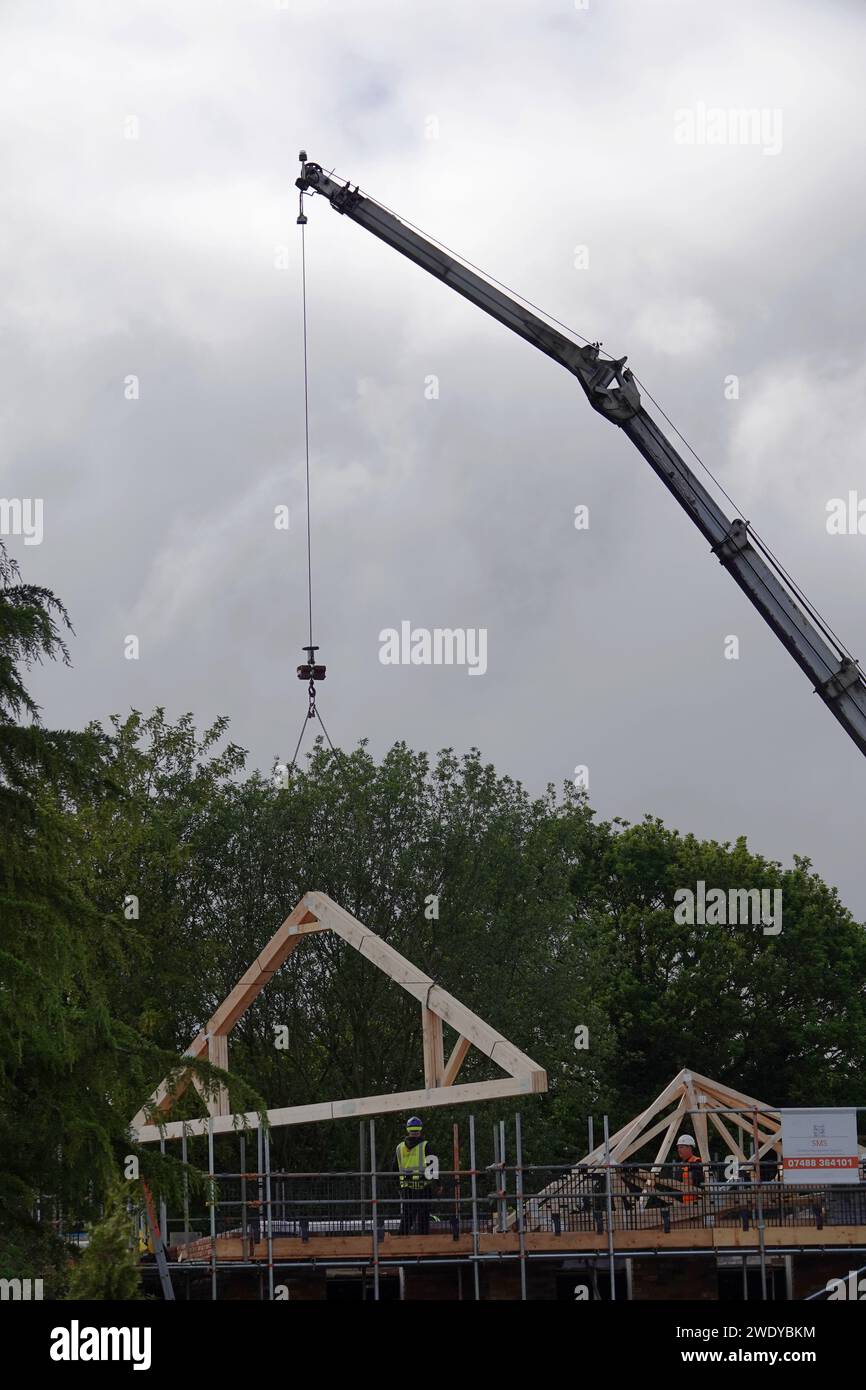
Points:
(156, 257)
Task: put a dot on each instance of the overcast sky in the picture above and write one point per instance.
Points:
(517, 133)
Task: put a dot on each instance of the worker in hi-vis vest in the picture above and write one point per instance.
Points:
(411, 1163)
(691, 1172)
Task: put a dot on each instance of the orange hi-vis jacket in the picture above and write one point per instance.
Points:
(688, 1179)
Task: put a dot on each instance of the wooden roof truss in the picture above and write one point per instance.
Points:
(316, 912)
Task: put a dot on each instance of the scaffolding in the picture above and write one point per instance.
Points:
(608, 1207)
(264, 1222)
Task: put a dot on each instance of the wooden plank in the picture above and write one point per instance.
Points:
(282, 943)
(235, 1005)
(613, 1140)
(675, 1121)
(732, 1098)
(165, 1095)
(434, 1056)
(437, 1000)
(392, 1247)
(319, 1247)
(623, 1151)
(455, 1061)
(228, 1248)
(658, 1183)
(653, 1238)
(218, 1054)
(300, 922)
(488, 1040)
(724, 1101)
(771, 1144)
(342, 1109)
(371, 946)
(735, 1148)
(634, 1127)
(429, 1099)
(770, 1123)
(747, 1127)
(699, 1124)
(834, 1237)
(464, 1021)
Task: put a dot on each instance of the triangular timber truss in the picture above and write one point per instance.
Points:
(689, 1104)
(316, 912)
(692, 1103)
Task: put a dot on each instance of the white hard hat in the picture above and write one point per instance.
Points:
(687, 1140)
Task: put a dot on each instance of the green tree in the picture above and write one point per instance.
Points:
(142, 869)
(547, 919)
(108, 1269)
(69, 1061)
(781, 1016)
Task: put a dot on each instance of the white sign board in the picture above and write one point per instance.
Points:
(820, 1146)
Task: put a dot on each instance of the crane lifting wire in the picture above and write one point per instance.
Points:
(310, 670)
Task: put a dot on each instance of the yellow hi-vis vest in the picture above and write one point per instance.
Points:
(411, 1164)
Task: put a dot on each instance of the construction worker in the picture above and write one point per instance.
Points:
(691, 1172)
(410, 1162)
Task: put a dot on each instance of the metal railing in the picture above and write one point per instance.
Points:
(634, 1197)
(508, 1200)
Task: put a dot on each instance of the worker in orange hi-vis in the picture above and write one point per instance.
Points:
(691, 1172)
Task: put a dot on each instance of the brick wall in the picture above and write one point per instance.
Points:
(427, 1282)
(498, 1283)
(812, 1272)
(673, 1279)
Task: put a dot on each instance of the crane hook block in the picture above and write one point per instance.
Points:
(311, 670)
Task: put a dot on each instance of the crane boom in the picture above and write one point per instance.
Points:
(611, 389)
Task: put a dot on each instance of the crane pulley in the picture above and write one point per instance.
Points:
(312, 672)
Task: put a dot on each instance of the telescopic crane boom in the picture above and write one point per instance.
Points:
(611, 389)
